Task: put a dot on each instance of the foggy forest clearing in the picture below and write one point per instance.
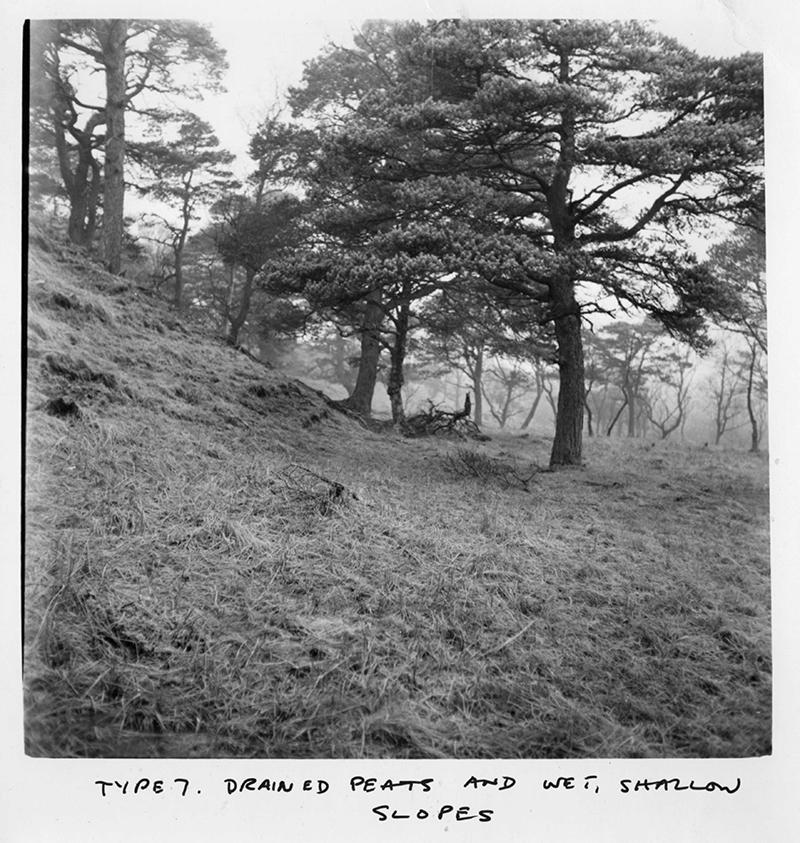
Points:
(220, 563)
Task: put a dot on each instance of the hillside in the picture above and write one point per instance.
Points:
(220, 563)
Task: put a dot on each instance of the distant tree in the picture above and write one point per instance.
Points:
(548, 381)
(624, 351)
(469, 322)
(593, 373)
(543, 383)
(511, 382)
(726, 387)
(460, 343)
(740, 262)
(330, 355)
(753, 364)
(189, 172)
(666, 402)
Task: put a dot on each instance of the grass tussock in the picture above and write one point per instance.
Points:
(221, 564)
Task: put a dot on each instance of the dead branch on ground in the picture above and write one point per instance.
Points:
(438, 422)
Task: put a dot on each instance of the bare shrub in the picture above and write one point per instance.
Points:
(467, 462)
(312, 490)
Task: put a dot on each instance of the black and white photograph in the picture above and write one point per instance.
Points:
(397, 388)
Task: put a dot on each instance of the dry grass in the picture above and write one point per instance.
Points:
(219, 564)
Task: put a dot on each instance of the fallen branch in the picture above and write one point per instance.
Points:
(437, 422)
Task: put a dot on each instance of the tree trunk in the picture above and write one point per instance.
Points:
(397, 358)
(112, 38)
(568, 440)
(614, 420)
(77, 186)
(92, 202)
(76, 226)
(754, 434)
(237, 321)
(601, 405)
(179, 248)
(82, 189)
(226, 314)
(506, 404)
(360, 400)
(178, 297)
(342, 368)
(179, 244)
(477, 388)
(631, 401)
(532, 411)
(588, 409)
(631, 419)
(720, 420)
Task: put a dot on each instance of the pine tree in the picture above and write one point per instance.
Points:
(566, 159)
(189, 172)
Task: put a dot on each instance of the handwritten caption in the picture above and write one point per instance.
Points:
(372, 786)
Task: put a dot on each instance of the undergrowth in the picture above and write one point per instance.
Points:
(221, 564)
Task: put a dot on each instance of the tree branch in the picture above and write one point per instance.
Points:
(625, 233)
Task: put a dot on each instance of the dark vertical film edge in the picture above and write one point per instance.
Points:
(26, 54)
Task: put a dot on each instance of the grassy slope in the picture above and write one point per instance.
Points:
(193, 590)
